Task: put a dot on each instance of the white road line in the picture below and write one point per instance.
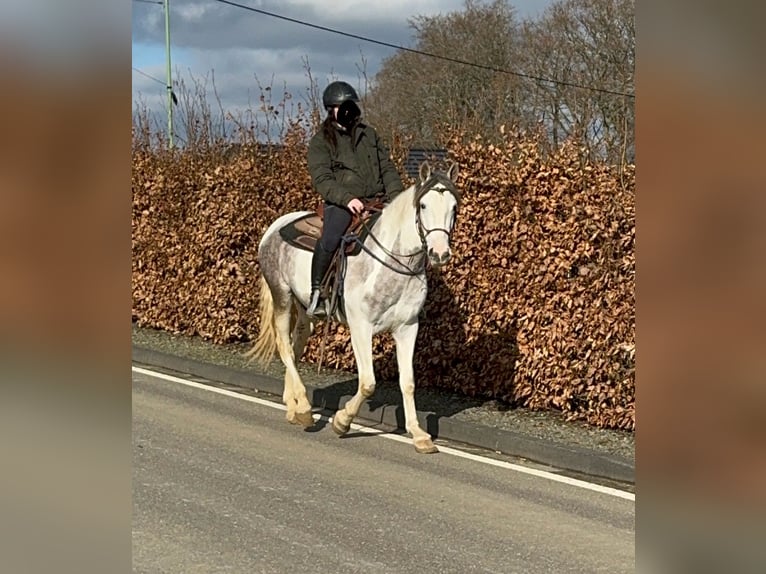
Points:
(444, 449)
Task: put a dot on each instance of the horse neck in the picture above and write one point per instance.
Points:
(396, 228)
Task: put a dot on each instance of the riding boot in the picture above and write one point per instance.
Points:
(320, 263)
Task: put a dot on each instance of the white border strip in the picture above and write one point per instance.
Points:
(445, 449)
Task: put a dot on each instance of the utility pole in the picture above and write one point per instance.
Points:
(169, 76)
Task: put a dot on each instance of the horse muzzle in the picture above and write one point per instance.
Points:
(438, 259)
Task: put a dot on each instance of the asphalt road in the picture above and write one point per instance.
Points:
(221, 484)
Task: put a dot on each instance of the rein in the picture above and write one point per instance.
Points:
(404, 269)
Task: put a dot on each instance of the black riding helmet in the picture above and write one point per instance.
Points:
(337, 93)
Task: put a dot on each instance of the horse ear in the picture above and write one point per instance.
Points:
(452, 171)
(425, 171)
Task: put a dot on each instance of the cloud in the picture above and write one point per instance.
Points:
(241, 48)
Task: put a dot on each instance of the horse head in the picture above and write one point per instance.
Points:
(436, 202)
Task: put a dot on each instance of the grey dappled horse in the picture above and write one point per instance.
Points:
(384, 290)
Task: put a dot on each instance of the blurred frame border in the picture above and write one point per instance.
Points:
(65, 210)
(65, 263)
(701, 240)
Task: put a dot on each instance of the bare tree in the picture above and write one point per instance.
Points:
(563, 73)
(591, 44)
(418, 94)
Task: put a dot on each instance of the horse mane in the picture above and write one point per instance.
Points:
(400, 205)
(395, 215)
(397, 207)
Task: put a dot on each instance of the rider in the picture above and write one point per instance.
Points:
(348, 163)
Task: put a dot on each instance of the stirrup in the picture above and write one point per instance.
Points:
(316, 309)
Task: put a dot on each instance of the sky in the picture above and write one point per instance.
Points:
(242, 49)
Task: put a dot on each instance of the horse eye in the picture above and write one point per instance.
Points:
(422, 205)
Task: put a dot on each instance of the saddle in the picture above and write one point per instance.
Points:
(305, 231)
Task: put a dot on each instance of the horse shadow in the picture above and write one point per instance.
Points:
(467, 372)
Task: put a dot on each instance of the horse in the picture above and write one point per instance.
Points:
(384, 290)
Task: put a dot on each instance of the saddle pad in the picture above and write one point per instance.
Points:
(305, 231)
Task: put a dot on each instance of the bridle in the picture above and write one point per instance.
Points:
(402, 268)
(423, 188)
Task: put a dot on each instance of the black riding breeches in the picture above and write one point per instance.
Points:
(336, 221)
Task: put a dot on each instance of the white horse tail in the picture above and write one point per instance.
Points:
(266, 343)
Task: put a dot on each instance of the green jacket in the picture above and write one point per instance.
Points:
(364, 171)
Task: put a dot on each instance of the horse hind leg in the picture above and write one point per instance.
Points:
(404, 337)
(302, 329)
(274, 307)
(294, 397)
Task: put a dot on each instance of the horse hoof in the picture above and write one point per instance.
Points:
(340, 428)
(292, 418)
(426, 447)
(306, 419)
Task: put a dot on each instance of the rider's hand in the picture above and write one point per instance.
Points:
(355, 206)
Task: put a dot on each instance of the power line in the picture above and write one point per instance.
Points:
(454, 60)
(172, 93)
(147, 75)
(149, 1)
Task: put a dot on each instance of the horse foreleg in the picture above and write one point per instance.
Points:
(405, 349)
(298, 406)
(361, 341)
